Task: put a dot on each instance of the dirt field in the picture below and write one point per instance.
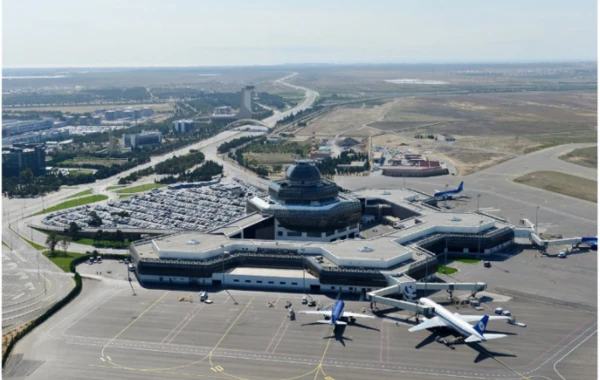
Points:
(562, 183)
(272, 158)
(81, 109)
(587, 157)
(347, 122)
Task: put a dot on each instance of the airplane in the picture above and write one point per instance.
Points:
(337, 316)
(592, 241)
(460, 323)
(449, 193)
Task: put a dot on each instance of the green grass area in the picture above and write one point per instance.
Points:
(468, 261)
(123, 196)
(562, 183)
(74, 203)
(91, 242)
(140, 188)
(34, 244)
(587, 157)
(92, 161)
(449, 270)
(114, 187)
(62, 259)
(81, 194)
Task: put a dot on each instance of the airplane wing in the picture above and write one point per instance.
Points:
(429, 324)
(477, 318)
(356, 315)
(316, 312)
(473, 338)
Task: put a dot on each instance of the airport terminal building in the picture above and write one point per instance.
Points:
(308, 236)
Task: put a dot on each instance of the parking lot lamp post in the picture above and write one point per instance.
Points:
(479, 240)
(478, 196)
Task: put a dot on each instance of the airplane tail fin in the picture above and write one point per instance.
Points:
(460, 187)
(480, 326)
(340, 323)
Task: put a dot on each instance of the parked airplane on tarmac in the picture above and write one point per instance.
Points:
(460, 323)
(336, 316)
(449, 193)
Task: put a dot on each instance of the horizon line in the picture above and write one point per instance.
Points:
(86, 66)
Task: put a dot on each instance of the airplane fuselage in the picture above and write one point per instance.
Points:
(338, 311)
(451, 320)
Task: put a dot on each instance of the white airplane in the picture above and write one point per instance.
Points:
(337, 316)
(460, 323)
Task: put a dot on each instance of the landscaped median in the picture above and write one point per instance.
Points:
(140, 188)
(73, 203)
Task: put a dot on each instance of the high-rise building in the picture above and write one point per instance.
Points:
(183, 126)
(246, 103)
(19, 157)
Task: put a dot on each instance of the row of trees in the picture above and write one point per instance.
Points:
(28, 185)
(236, 142)
(202, 173)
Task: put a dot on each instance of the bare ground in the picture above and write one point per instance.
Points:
(562, 183)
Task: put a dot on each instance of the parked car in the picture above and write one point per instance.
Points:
(487, 264)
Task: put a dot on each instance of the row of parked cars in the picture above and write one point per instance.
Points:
(191, 208)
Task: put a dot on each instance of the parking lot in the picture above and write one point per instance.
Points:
(202, 208)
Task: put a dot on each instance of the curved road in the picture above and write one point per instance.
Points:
(29, 294)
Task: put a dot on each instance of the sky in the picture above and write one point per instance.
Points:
(99, 33)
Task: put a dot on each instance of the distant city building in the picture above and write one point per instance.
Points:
(223, 110)
(118, 114)
(137, 140)
(96, 120)
(110, 115)
(245, 111)
(17, 127)
(99, 111)
(17, 158)
(36, 137)
(147, 112)
(137, 114)
(70, 120)
(443, 137)
(183, 126)
(128, 113)
(58, 124)
(83, 120)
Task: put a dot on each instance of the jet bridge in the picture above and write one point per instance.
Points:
(408, 287)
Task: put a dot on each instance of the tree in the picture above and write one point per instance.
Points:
(99, 235)
(65, 241)
(277, 168)
(119, 236)
(95, 220)
(52, 241)
(26, 175)
(73, 228)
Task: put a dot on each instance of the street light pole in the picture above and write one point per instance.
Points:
(478, 196)
(479, 240)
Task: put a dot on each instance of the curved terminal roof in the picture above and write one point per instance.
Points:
(303, 172)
